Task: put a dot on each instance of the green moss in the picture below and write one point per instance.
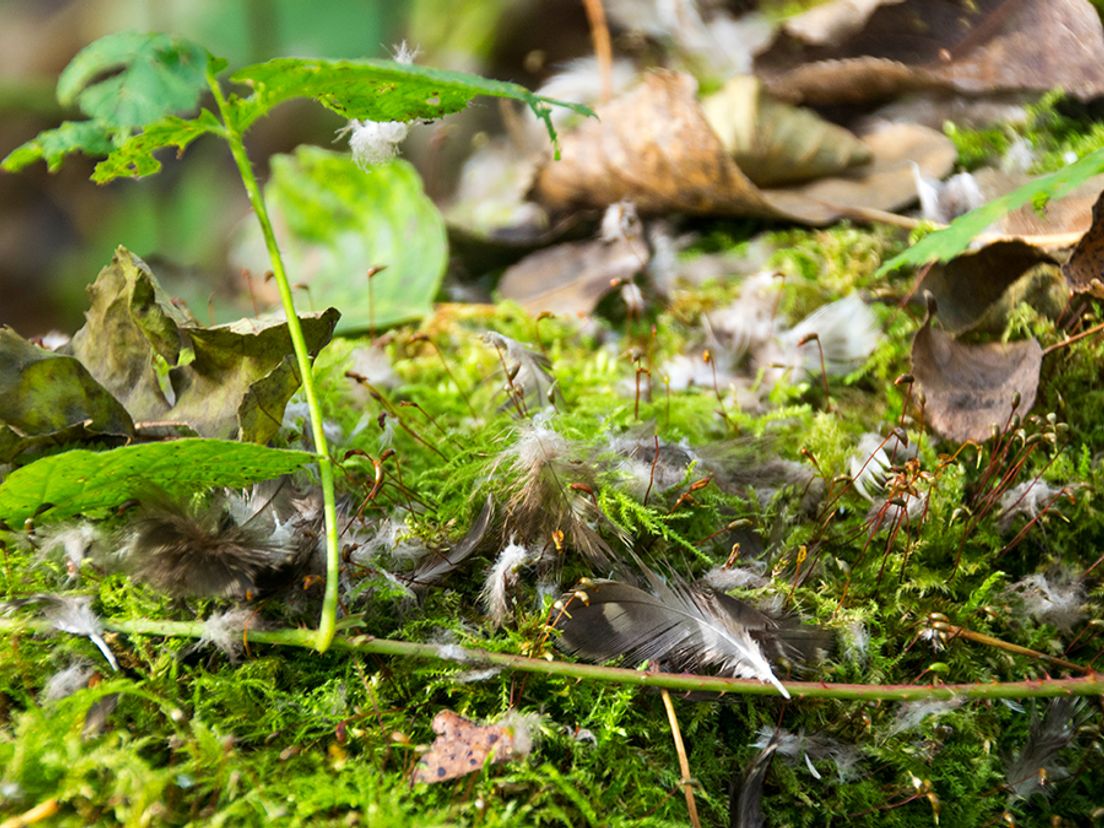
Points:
(295, 738)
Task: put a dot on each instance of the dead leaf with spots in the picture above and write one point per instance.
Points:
(654, 146)
(1085, 269)
(463, 747)
(969, 389)
(977, 291)
(976, 48)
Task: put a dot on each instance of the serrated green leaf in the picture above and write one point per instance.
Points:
(148, 76)
(52, 145)
(134, 158)
(944, 245)
(335, 222)
(80, 481)
(376, 90)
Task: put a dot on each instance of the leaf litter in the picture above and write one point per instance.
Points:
(760, 470)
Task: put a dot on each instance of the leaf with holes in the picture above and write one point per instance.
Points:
(52, 145)
(376, 90)
(134, 158)
(128, 79)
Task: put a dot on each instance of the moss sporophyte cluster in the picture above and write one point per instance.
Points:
(492, 473)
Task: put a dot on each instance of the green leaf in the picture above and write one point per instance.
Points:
(52, 145)
(80, 481)
(336, 222)
(128, 79)
(228, 381)
(134, 157)
(944, 245)
(47, 397)
(376, 90)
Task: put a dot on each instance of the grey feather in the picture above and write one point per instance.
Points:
(209, 552)
(687, 627)
(436, 565)
(1036, 764)
(745, 808)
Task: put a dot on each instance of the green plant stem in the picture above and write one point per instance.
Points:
(328, 622)
(1090, 685)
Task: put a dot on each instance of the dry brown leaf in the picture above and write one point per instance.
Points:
(975, 48)
(777, 143)
(976, 291)
(833, 22)
(969, 389)
(1061, 217)
(886, 183)
(462, 747)
(1085, 269)
(573, 277)
(654, 146)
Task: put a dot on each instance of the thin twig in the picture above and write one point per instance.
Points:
(684, 763)
(1095, 329)
(1090, 685)
(603, 49)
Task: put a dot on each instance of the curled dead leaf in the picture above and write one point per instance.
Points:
(974, 48)
(652, 146)
(655, 147)
(969, 389)
(777, 143)
(976, 291)
(573, 277)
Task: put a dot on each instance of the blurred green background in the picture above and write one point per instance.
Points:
(57, 231)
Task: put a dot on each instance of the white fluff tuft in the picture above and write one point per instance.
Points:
(944, 201)
(1028, 499)
(620, 222)
(724, 578)
(912, 714)
(848, 333)
(1037, 765)
(374, 142)
(404, 53)
(74, 615)
(800, 747)
(68, 681)
(226, 631)
(856, 639)
(525, 730)
(531, 370)
(74, 541)
(501, 579)
(1058, 599)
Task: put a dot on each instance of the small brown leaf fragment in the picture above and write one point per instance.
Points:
(1085, 269)
(462, 747)
(970, 388)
